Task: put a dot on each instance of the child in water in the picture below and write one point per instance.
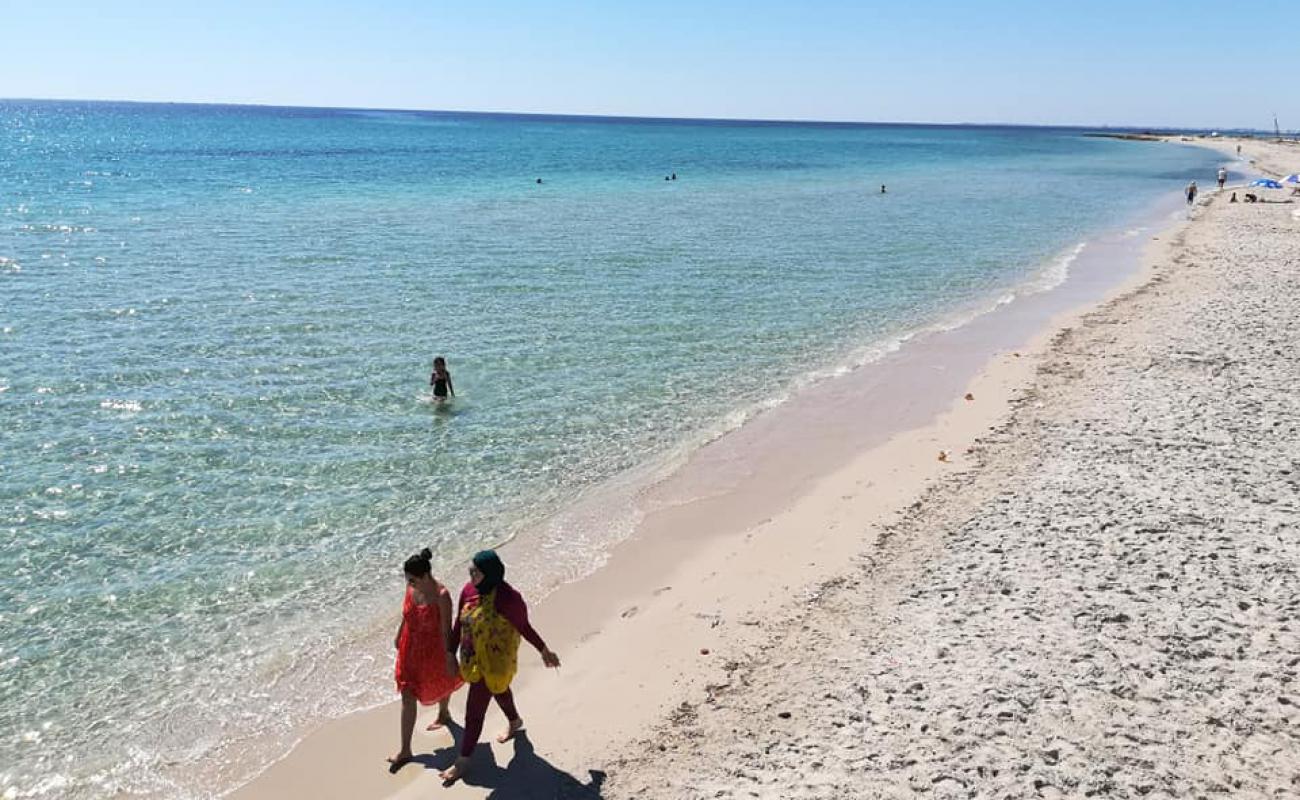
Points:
(440, 380)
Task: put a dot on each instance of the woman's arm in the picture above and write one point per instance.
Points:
(453, 636)
(511, 605)
(451, 390)
(444, 612)
(406, 601)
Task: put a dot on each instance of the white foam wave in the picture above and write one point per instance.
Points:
(121, 405)
(55, 228)
(1054, 274)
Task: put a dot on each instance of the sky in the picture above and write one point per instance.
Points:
(1140, 63)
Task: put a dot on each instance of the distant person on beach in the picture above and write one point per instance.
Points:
(1238, 149)
(1233, 199)
(1223, 177)
(426, 671)
(490, 620)
(674, 176)
(1191, 193)
(440, 380)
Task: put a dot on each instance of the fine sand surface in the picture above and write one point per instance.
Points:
(1096, 592)
(1109, 604)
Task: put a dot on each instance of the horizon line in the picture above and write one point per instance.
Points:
(630, 117)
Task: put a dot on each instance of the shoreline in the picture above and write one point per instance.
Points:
(645, 623)
(1100, 606)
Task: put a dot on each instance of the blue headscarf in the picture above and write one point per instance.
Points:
(494, 572)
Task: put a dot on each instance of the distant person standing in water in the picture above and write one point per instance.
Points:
(440, 380)
(1223, 177)
(1191, 193)
(882, 188)
(426, 672)
(490, 620)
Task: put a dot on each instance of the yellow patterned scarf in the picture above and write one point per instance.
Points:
(489, 646)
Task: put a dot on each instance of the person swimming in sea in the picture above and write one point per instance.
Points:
(440, 380)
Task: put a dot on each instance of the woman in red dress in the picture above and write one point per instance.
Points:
(426, 672)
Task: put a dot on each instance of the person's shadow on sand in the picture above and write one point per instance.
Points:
(441, 758)
(525, 777)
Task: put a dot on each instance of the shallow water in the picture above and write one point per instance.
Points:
(215, 333)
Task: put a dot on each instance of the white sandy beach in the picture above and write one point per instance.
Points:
(1096, 593)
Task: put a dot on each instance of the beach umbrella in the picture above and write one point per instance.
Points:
(1294, 177)
(1267, 183)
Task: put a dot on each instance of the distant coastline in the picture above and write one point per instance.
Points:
(1104, 131)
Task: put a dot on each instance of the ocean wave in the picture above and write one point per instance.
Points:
(121, 405)
(55, 227)
(1054, 274)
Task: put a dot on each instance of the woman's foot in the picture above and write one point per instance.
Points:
(456, 771)
(516, 725)
(444, 719)
(400, 760)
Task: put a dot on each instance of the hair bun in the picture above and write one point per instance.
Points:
(420, 564)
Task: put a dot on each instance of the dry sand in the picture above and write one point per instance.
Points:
(1108, 606)
(1100, 596)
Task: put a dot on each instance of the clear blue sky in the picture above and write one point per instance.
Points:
(1192, 63)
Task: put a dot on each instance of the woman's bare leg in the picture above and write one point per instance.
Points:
(444, 715)
(408, 726)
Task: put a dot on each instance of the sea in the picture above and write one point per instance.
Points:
(216, 331)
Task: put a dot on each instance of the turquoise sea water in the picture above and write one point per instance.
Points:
(216, 325)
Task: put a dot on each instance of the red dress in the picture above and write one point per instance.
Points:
(422, 653)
